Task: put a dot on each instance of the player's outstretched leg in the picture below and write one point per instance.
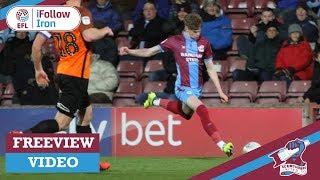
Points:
(45, 126)
(170, 105)
(195, 104)
(212, 130)
(60, 122)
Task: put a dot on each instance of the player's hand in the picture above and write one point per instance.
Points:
(124, 51)
(109, 31)
(42, 78)
(224, 98)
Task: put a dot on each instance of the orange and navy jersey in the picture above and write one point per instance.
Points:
(74, 55)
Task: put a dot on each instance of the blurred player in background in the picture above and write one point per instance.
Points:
(72, 72)
(191, 53)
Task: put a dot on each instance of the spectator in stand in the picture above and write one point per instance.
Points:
(17, 63)
(257, 33)
(147, 31)
(105, 47)
(32, 35)
(6, 35)
(173, 26)
(216, 28)
(294, 60)
(104, 76)
(2, 37)
(313, 93)
(162, 8)
(102, 11)
(287, 4)
(314, 4)
(103, 80)
(176, 6)
(308, 25)
(261, 62)
(3, 78)
(285, 9)
(16, 56)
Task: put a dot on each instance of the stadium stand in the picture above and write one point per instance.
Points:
(210, 94)
(242, 25)
(2, 86)
(1, 46)
(235, 62)
(234, 48)
(243, 92)
(123, 102)
(262, 4)
(272, 92)
(128, 24)
(243, 14)
(209, 89)
(130, 68)
(241, 7)
(126, 93)
(296, 90)
(152, 65)
(7, 96)
(222, 68)
(122, 41)
(128, 89)
(154, 86)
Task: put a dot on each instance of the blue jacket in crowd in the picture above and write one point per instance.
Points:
(106, 15)
(314, 4)
(284, 4)
(218, 32)
(310, 30)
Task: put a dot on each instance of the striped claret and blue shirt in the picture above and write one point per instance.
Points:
(190, 55)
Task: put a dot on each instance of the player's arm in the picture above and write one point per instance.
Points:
(146, 52)
(88, 32)
(92, 34)
(36, 55)
(215, 79)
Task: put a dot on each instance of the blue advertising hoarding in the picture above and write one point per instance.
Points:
(26, 117)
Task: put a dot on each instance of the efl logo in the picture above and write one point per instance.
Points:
(52, 153)
(43, 18)
(289, 158)
(22, 15)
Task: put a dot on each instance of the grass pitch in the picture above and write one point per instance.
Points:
(131, 168)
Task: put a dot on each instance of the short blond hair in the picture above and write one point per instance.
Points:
(193, 21)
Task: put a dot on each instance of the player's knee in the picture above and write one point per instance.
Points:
(63, 121)
(62, 124)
